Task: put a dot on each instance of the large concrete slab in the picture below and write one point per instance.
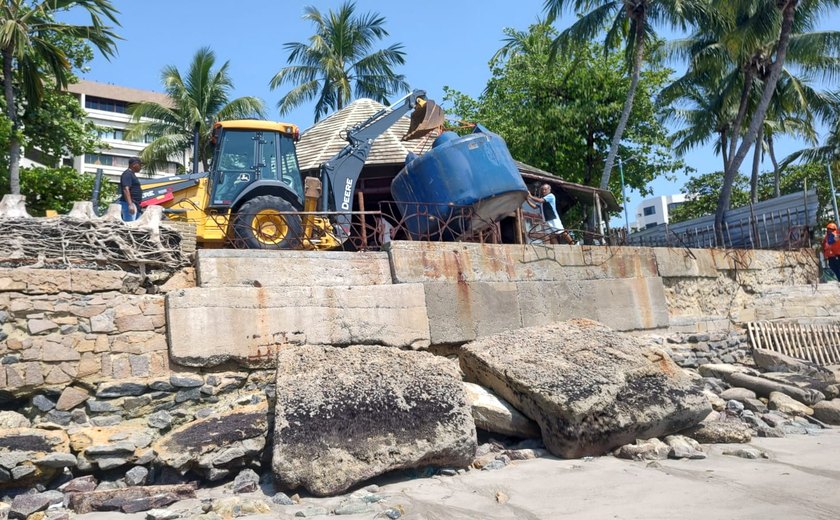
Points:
(461, 312)
(234, 267)
(675, 262)
(453, 262)
(246, 325)
(621, 304)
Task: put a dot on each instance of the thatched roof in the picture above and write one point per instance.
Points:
(322, 141)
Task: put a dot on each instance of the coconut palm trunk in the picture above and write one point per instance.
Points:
(777, 192)
(788, 14)
(11, 113)
(638, 55)
(759, 143)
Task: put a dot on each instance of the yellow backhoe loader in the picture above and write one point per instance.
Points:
(254, 194)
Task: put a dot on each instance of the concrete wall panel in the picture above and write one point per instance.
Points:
(453, 262)
(231, 268)
(208, 326)
(623, 304)
(460, 312)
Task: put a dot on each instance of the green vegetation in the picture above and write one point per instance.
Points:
(32, 59)
(58, 188)
(559, 115)
(199, 100)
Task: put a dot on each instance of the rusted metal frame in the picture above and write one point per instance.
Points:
(361, 197)
(765, 335)
(818, 347)
(835, 334)
(800, 341)
(829, 342)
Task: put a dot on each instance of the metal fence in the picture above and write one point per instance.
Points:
(781, 223)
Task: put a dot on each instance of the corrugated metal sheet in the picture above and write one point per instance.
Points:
(770, 224)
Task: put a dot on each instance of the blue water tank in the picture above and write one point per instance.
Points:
(461, 185)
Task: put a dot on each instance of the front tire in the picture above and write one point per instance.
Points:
(260, 224)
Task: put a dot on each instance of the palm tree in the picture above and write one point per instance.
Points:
(339, 62)
(772, 64)
(735, 57)
(198, 101)
(628, 21)
(702, 113)
(27, 32)
(829, 151)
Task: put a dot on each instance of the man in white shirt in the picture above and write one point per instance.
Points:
(550, 213)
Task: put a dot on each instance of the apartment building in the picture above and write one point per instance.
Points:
(656, 211)
(107, 107)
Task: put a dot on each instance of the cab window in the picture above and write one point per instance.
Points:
(235, 163)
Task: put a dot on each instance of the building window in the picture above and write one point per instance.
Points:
(108, 105)
(650, 210)
(105, 159)
(651, 225)
(112, 133)
(99, 158)
(674, 205)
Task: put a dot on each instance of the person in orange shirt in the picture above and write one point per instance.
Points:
(831, 248)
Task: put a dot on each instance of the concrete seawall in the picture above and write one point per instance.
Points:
(59, 327)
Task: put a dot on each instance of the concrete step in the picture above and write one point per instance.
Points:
(209, 326)
(691, 324)
(258, 268)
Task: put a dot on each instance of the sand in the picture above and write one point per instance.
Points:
(801, 479)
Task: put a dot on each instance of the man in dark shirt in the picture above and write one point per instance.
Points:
(130, 191)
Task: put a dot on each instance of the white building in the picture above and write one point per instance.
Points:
(107, 107)
(656, 211)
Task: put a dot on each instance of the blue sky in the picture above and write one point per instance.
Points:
(447, 43)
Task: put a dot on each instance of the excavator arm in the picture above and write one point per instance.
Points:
(341, 172)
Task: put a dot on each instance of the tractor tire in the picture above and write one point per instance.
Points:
(258, 224)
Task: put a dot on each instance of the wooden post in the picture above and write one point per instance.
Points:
(519, 223)
(598, 217)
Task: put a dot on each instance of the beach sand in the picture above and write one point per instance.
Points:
(799, 480)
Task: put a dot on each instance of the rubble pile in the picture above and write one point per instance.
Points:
(329, 419)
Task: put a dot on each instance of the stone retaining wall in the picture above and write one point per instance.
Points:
(60, 326)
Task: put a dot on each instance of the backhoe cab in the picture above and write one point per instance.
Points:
(254, 195)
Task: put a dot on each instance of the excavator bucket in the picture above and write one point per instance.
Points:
(427, 116)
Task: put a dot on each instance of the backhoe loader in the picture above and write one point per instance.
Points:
(254, 194)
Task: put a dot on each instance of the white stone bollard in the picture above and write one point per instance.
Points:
(82, 210)
(13, 206)
(149, 220)
(114, 212)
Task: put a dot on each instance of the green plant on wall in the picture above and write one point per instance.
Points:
(58, 188)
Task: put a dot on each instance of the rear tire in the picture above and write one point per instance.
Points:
(259, 225)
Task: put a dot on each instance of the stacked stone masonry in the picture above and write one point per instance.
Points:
(61, 326)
